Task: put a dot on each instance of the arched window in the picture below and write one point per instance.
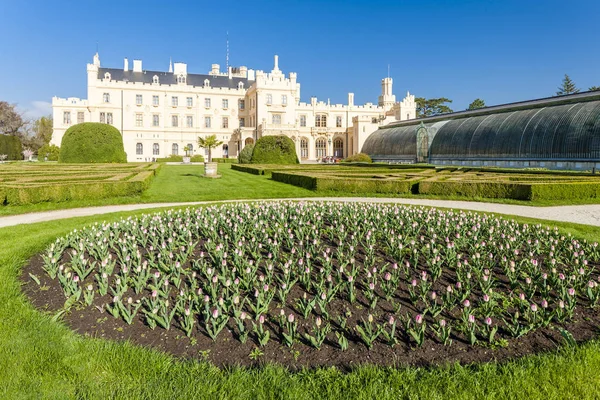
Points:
(107, 76)
(155, 79)
(139, 149)
(225, 151)
(155, 149)
(175, 149)
(338, 148)
(304, 148)
(321, 120)
(248, 141)
(241, 85)
(321, 147)
(106, 97)
(206, 83)
(407, 116)
(181, 79)
(190, 148)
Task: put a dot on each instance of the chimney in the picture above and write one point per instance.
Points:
(126, 65)
(276, 66)
(350, 99)
(137, 65)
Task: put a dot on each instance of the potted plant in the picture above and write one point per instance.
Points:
(210, 142)
(188, 150)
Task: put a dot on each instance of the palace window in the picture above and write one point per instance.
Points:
(67, 118)
(189, 121)
(155, 100)
(102, 118)
(338, 121)
(138, 99)
(181, 79)
(174, 121)
(242, 122)
(284, 99)
(241, 85)
(107, 76)
(304, 148)
(276, 119)
(139, 120)
(155, 79)
(207, 102)
(338, 148)
(190, 148)
(106, 97)
(175, 149)
(321, 120)
(225, 122)
(225, 103)
(206, 83)
(174, 101)
(189, 101)
(269, 99)
(109, 118)
(139, 149)
(321, 147)
(80, 117)
(155, 120)
(303, 120)
(242, 104)
(207, 122)
(155, 149)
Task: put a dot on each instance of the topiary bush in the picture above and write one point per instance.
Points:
(359, 157)
(92, 142)
(245, 156)
(48, 152)
(11, 146)
(274, 150)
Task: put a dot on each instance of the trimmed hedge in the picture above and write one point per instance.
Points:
(245, 156)
(358, 157)
(565, 191)
(92, 142)
(274, 150)
(11, 146)
(248, 169)
(174, 158)
(344, 184)
(225, 160)
(496, 190)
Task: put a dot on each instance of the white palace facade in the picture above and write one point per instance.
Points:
(160, 113)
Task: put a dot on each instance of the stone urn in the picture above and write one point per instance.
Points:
(210, 169)
(186, 159)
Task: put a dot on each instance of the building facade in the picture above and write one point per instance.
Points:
(162, 113)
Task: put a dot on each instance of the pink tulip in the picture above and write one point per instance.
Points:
(419, 319)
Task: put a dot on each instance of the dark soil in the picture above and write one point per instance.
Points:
(228, 351)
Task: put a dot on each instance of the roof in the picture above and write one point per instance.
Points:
(169, 78)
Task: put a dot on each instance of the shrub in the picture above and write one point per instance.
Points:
(496, 190)
(225, 160)
(347, 184)
(48, 152)
(359, 157)
(274, 150)
(245, 156)
(171, 158)
(11, 146)
(92, 142)
(197, 158)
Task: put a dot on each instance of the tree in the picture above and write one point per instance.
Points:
(594, 88)
(431, 107)
(11, 121)
(209, 143)
(48, 152)
(92, 142)
(567, 87)
(43, 129)
(477, 103)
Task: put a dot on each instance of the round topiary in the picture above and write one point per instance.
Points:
(245, 156)
(92, 142)
(274, 150)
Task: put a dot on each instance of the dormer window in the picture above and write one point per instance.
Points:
(155, 79)
(241, 85)
(206, 83)
(107, 76)
(181, 79)
(106, 97)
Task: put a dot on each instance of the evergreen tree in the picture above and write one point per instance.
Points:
(594, 88)
(477, 103)
(567, 87)
(431, 107)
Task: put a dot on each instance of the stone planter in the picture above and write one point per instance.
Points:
(186, 160)
(210, 169)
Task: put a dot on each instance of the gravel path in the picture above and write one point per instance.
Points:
(581, 214)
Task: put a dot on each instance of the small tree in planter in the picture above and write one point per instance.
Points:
(188, 150)
(210, 142)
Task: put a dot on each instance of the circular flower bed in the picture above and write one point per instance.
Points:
(323, 284)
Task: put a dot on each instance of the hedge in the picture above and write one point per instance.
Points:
(565, 191)
(497, 190)
(344, 184)
(225, 160)
(11, 146)
(48, 152)
(274, 150)
(92, 142)
(174, 158)
(358, 157)
(248, 169)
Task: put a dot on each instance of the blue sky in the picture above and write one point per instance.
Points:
(500, 51)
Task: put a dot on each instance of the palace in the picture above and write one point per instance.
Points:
(160, 113)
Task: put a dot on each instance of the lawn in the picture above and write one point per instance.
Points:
(40, 358)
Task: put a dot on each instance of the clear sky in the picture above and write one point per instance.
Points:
(500, 51)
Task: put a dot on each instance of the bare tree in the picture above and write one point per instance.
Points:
(11, 121)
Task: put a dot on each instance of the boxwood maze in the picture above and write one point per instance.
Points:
(34, 183)
(323, 284)
(468, 182)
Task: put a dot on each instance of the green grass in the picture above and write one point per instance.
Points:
(40, 358)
